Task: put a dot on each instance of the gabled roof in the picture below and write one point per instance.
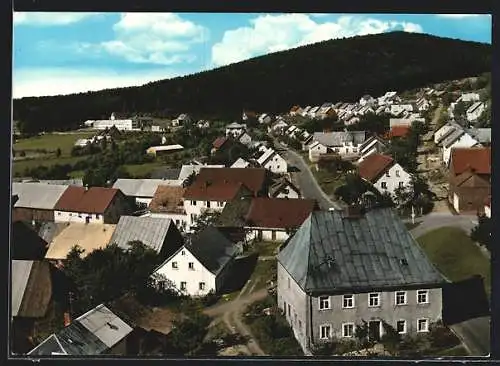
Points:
(31, 283)
(140, 187)
(399, 131)
(167, 199)
(473, 107)
(279, 213)
(219, 141)
(374, 165)
(223, 183)
(369, 141)
(240, 163)
(93, 333)
(477, 158)
(25, 243)
(332, 253)
(151, 231)
(79, 199)
(276, 188)
(482, 135)
(338, 138)
(37, 195)
(213, 249)
(187, 170)
(268, 154)
(470, 179)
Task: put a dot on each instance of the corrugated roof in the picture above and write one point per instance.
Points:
(79, 199)
(37, 195)
(20, 274)
(151, 231)
(331, 253)
(142, 187)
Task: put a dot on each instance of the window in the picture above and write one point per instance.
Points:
(79, 215)
(401, 184)
(183, 286)
(97, 216)
(201, 286)
(191, 265)
(208, 204)
(401, 326)
(423, 296)
(348, 330)
(177, 222)
(174, 265)
(70, 214)
(324, 331)
(295, 317)
(374, 299)
(183, 252)
(383, 185)
(277, 166)
(193, 203)
(300, 325)
(289, 310)
(387, 174)
(324, 302)
(193, 217)
(348, 301)
(397, 173)
(220, 204)
(58, 214)
(422, 325)
(400, 297)
(288, 282)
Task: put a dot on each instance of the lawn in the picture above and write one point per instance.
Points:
(327, 181)
(411, 226)
(19, 166)
(51, 142)
(456, 255)
(266, 248)
(264, 271)
(141, 170)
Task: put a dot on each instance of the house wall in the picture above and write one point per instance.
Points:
(263, 234)
(66, 216)
(316, 151)
(469, 199)
(464, 141)
(120, 205)
(198, 208)
(235, 132)
(290, 194)
(475, 115)
(277, 164)
(184, 274)
(441, 132)
(387, 311)
(392, 180)
(487, 211)
(30, 214)
(122, 125)
(181, 220)
(245, 139)
(289, 293)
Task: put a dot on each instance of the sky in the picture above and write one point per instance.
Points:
(64, 53)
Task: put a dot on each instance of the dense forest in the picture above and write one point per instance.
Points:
(335, 70)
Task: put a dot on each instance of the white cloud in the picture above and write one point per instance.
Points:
(271, 33)
(60, 81)
(460, 16)
(50, 19)
(153, 38)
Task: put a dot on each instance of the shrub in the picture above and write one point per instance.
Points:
(441, 336)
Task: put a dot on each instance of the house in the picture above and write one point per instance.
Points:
(364, 110)
(444, 131)
(203, 124)
(88, 237)
(181, 120)
(240, 163)
(118, 121)
(366, 100)
(313, 112)
(265, 118)
(387, 98)
(458, 138)
(398, 132)
(295, 110)
(468, 98)
(189, 170)
(272, 161)
(487, 207)
(352, 120)
(25, 243)
(244, 138)
(235, 129)
(283, 188)
(167, 202)
(380, 109)
(92, 205)
(481, 135)
(422, 104)
(36, 201)
(345, 267)
(97, 332)
(278, 127)
(374, 144)
(265, 218)
(475, 111)
(220, 143)
(316, 149)
(64, 182)
(199, 267)
(156, 233)
(399, 108)
(142, 190)
(164, 149)
(342, 143)
(469, 179)
(404, 121)
(213, 188)
(305, 111)
(385, 174)
(82, 142)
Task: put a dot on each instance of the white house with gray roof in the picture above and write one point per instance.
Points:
(200, 266)
(475, 111)
(273, 162)
(342, 143)
(143, 190)
(341, 269)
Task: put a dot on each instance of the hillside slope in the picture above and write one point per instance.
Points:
(333, 70)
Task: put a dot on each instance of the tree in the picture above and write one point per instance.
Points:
(361, 334)
(352, 190)
(206, 219)
(481, 233)
(188, 334)
(390, 339)
(460, 109)
(58, 152)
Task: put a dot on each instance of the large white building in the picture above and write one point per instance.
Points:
(272, 161)
(120, 124)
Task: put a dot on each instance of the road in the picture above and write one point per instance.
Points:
(436, 220)
(475, 335)
(305, 179)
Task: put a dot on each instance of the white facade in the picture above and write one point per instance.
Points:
(468, 97)
(240, 163)
(264, 118)
(288, 192)
(120, 124)
(235, 129)
(315, 150)
(82, 217)
(475, 111)
(266, 234)
(395, 177)
(194, 208)
(274, 162)
(464, 141)
(487, 211)
(245, 139)
(398, 108)
(192, 280)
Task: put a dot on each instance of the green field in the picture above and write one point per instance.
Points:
(51, 142)
(18, 167)
(456, 255)
(140, 170)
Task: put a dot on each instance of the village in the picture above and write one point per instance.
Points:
(325, 230)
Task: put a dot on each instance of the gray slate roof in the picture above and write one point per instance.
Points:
(452, 137)
(483, 135)
(212, 248)
(37, 195)
(151, 231)
(366, 253)
(337, 138)
(142, 187)
(93, 333)
(20, 274)
(49, 230)
(166, 173)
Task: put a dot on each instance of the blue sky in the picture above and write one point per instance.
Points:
(63, 53)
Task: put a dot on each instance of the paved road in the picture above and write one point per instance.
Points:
(475, 334)
(306, 181)
(436, 220)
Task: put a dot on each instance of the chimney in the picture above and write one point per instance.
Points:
(67, 319)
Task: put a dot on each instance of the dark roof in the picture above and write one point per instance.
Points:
(79, 199)
(49, 230)
(334, 253)
(166, 173)
(219, 141)
(370, 140)
(224, 183)
(398, 131)
(279, 212)
(470, 179)
(278, 185)
(212, 248)
(25, 243)
(234, 213)
(479, 159)
(374, 165)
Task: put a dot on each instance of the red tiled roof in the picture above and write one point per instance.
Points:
(398, 131)
(374, 165)
(279, 212)
(93, 200)
(477, 159)
(219, 141)
(223, 183)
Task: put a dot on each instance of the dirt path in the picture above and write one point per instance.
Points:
(437, 113)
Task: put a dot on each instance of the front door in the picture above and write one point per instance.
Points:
(374, 330)
(273, 235)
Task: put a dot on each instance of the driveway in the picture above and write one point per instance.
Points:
(475, 334)
(305, 179)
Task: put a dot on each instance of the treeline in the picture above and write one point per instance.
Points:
(332, 70)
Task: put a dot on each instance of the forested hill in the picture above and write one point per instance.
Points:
(334, 70)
